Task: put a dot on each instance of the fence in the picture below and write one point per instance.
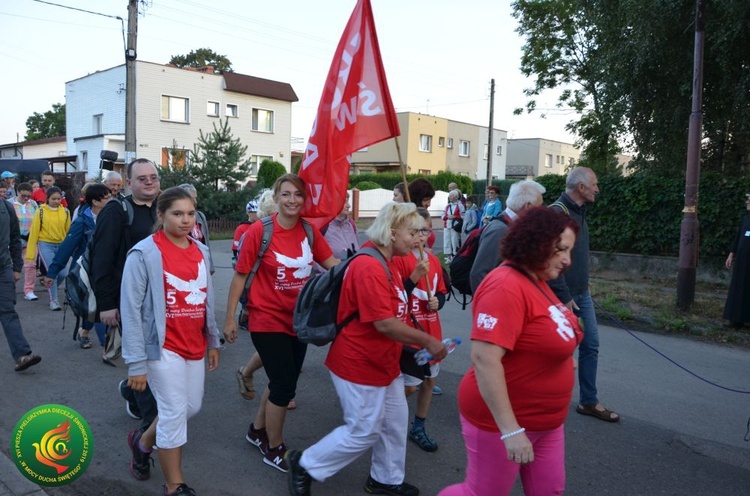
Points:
(222, 226)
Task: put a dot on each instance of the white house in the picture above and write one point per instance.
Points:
(172, 106)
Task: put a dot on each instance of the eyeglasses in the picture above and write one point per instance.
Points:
(425, 232)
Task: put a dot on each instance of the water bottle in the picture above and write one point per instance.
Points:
(423, 356)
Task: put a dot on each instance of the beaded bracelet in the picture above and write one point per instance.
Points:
(511, 434)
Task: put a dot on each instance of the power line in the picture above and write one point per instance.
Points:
(122, 21)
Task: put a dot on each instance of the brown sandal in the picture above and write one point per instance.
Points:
(27, 361)
(247, 388)
(603, 414)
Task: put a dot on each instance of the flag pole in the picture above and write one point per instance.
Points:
(402, 166)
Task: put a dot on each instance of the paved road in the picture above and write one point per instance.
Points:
(678, 436)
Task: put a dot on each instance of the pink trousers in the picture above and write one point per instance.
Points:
(490, 473)
(29, 273)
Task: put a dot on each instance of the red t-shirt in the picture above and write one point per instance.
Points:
(360, 353)
(418, 298)
(185, 290)
(39, 196)
(284, 270)
(241, 229)
(509, 311)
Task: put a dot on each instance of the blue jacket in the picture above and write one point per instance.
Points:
(74, 243)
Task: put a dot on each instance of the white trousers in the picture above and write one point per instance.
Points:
(450, 241)
(177, 385)
(375, 417)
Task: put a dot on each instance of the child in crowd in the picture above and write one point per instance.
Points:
(251, 209)
(48, 229)
(25, 209)
(168, 322)
(472, 215)
(424, 303)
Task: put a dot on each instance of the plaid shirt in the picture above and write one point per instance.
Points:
(25, 214)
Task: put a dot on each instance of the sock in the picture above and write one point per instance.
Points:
(418, 422)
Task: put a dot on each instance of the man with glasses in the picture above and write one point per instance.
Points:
(119, 226)
(25, 209)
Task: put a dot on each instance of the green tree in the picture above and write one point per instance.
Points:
(47, 125)
(268, 172)
(201, 58)
(565, 48)
(219, 156)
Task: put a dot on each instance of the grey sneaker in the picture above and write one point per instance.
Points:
(420, 437)
(54, 305)
(140, 462)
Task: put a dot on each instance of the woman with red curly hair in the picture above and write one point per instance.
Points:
(515, 397)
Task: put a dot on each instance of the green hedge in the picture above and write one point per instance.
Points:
(439, 181)
(642, 213)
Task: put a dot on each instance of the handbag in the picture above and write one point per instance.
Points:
(407, 362)
(458, 225)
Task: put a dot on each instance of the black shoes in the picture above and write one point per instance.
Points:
(374, 487)
(298, 479)
(140, 463)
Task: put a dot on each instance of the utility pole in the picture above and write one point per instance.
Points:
(689, 228)
(130, 57)
(492, 127)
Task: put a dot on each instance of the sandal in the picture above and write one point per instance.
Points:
(84, 340)
(247, 388)
(603, 414)
(292, 405)
(27, 361)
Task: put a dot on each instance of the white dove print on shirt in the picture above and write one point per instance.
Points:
(564, 328)
(195, 287)
(303, 264)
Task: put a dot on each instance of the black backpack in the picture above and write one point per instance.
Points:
(318, 303)
(79, 288)
(463, 261)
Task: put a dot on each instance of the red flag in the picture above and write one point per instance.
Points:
(355, 111)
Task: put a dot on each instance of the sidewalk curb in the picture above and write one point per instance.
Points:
(13, 483)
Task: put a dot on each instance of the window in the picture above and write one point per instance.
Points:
(177, 158)
(175, 109)
(84, 160)
(425, 143)
(486, 151)
(255, 161)
(441, 141)
(499, 150)
(571, 161)
(212, 109)
(233, 110)
(262, 120)
(548, 161)
(450, 143)
(98, 129)
(464, 147)
(557, 159)
(425, 172)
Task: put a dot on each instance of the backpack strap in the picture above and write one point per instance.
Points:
(374, 253)
(309, 232)
(561, 206)
(265, 242)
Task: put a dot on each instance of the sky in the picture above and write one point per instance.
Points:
(439, 55)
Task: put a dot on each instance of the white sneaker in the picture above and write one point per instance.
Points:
(54, 305)
(30, 296)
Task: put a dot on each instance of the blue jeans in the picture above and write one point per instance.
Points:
(47, 253)
(588, 350)
(9, 317)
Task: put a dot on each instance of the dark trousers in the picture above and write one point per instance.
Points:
(9, 317)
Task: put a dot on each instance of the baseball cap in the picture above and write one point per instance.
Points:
(7, 174)
(252, 206)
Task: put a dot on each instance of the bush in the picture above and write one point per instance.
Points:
(268, 172)
(388, 180)
(642, 213)
(366, 185)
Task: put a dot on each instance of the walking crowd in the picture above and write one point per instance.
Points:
(151, 275)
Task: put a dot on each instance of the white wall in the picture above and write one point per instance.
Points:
(371, 201)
